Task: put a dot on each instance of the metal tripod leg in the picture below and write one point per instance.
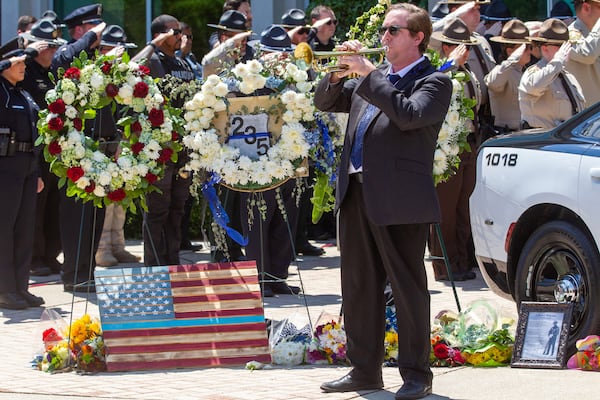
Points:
(438, 232)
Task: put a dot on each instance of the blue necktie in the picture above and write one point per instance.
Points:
(356, 154)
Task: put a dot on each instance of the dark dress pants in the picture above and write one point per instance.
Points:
(18, 179)
(370, 256)
(46, 240)
(80, 230)
(162, 221)
(270, 240)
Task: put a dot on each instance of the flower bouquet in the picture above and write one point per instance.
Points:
(329, 342)
(288, 342)
(444, 355)
(80, 346)
(391, 337)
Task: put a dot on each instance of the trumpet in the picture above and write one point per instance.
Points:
(304, 52)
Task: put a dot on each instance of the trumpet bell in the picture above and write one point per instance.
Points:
(304, 52)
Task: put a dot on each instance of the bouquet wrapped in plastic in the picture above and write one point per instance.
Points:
(587, 355)
(288, 340)
(328, 345)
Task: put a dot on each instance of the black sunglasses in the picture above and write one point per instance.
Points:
(175, 31)
(332, 21)
(303, 31)
(392, 29)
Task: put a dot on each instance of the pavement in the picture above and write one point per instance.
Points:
(20, 333)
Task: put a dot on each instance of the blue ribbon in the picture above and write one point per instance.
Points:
(218, 212)
(447, 65)
(250, 135)
(329, 156)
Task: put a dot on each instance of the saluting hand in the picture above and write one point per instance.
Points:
(562, 55)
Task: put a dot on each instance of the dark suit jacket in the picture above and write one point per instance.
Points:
(399, 143)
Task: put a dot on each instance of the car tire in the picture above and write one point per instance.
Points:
(553, 250)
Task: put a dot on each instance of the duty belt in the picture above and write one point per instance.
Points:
(25, 147)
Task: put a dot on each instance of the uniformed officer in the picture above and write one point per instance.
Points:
(548, 94)
(457, 44)
(162, 221)
(44, 37)
(80, 222)
(584, 59)
(503, 80)
(19, 179)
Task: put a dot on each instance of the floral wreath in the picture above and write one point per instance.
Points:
(283, 160)
(150, 131)
(452, 138)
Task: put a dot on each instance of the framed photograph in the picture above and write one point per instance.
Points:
(541, 337)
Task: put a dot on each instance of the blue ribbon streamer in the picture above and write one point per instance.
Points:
(218, 212)
(329, 159)
(447, 65)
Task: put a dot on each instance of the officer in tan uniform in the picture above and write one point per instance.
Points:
(548, 94)
(584, 59)
(503, 80)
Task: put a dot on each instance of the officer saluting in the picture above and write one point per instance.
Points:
(19, 180)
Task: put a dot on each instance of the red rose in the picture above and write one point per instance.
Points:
(136, 127)
(140, 90)
(440, 351)
(156, 117)
(72, 73)
(137, 147)
(78, 124)
(50, 335)
(90, 188)
(164, 155)
(174, 136)
(106, 68)
(112, 90)
(74, 173)
(151, 178)
(54, 148)
(116, 195)
(56, 124)
(144, 70)
(57, 107)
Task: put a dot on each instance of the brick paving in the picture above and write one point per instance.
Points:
(20, 332)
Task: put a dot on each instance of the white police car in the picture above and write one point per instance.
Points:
(535, 217)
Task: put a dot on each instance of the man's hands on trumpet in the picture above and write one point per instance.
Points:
(357, 64)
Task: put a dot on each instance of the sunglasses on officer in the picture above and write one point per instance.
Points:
(332, 22)
(176, 31)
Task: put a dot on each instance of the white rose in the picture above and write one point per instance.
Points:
(97, 81)
(68, 97)
(99, 191)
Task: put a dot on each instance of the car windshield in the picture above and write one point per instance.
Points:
(589, 128)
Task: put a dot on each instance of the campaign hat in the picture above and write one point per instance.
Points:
(91, 14)
(293, 17)
(439, 11)
(275, 38)
(44, 30)
(114, 35)
(455, 32)
(561, 10)
(553, 31)
(232, 21)
(513, 32)
(52, 16)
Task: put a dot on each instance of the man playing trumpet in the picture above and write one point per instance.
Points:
(386, 196)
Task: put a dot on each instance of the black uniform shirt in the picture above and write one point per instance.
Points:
(18, 111)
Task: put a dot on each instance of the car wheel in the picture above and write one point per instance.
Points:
(558, 255)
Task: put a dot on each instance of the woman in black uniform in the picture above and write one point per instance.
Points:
(19, 180)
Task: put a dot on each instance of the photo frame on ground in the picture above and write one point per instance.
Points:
(541, 337)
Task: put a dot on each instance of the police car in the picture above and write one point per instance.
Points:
(535, 217)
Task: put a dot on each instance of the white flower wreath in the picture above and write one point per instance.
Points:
(149, 135)
(289, 83)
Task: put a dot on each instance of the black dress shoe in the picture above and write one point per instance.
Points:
(82, 287)
(190, 246)
(266, 291)
(282, 288)
(40, 270)
(12, 301)
(413, 390)
(31, 299)
(310, 250)
(347, 383)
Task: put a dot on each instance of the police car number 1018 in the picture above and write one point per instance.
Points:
(501, 160)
